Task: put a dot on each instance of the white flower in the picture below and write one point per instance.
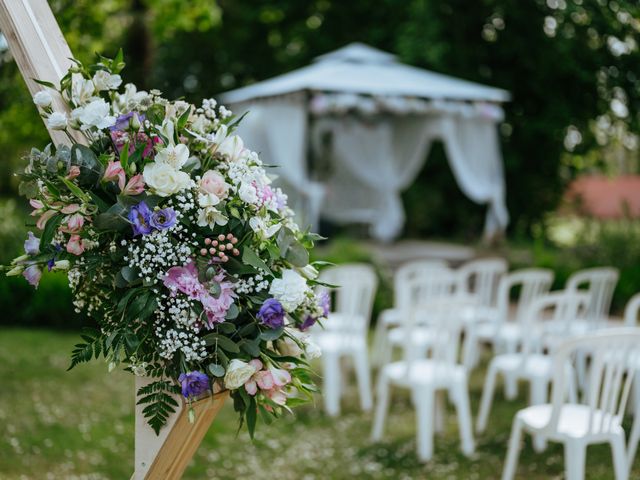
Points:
(42, 99)
(211, 216)
(208, 200)
(288, 346)
(238, 373)
(248, 193)
(231, 147)
(309, 272)
(95, 114)
(174, 155)
(130, 95)
(290, 290)
(164, 179)
(81, 89)
(260, 226)
(104, 80)
(312, 349)
(62, 265)
(212, 182)
(57, 121)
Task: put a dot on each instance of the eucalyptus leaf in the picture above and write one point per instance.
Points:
(216, 370)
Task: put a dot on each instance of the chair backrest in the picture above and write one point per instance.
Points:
(631, 311)
(600, 283)
(356, 285)
(406, 274)
(614, 359)
(480, 278)
(533, 283)
(550, 315)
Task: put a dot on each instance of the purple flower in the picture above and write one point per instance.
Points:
(122, 122)
(324, 301)
(140, 218)
(32, 273)
(193, 383)
(271, 313)
(308, 323)
(163, 219)
(32, 244)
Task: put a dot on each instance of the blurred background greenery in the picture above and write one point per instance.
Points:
(571, 66)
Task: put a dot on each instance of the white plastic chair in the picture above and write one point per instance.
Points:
(600, 282)
(531, 363)
(403, 301)
(345, 331)
(599, 420)
(631, 312)
(425, 377)
(479, 279)
(503, 332)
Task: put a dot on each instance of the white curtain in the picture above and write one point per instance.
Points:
(374, 161)
(473, 149)
(277, 130)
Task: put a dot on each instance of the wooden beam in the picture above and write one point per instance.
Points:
(38, 48)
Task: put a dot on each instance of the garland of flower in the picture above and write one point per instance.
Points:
(176, 243)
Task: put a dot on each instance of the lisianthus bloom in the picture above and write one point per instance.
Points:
(238, 373)
(115, 172)
(212, 182)
(32, 244)
(185, 280)
(163, 219)
(193, 383)
(271, 313)
(32, 273)
(140, 218)
(268, 379)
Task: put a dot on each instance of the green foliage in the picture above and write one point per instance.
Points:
(159, 402)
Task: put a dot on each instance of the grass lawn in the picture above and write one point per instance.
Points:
(79, 424)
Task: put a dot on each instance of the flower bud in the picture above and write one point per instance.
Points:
(134, 123)
(15, 271)
(62, 265)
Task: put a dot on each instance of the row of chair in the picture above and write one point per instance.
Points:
(435, 306)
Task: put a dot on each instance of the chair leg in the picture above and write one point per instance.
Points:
(510, 386)
(363, 377)
(513, 452)
(382, 406)
(461, 401)
(440, 412)
(634, 437)
(537, 396)
(572, 384)
(620, 461)
(487, 397)
(379, 343)
(470, 348)
(424, 404)
(575, 453)
(332, 379)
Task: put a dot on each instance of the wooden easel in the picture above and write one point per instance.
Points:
(42, 53)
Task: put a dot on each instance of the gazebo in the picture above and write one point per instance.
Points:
(352, 130)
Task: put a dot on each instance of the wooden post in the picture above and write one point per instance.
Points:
(42, 53)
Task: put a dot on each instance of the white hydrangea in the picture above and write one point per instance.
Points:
(290, 290)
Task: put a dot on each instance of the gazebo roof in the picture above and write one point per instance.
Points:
(360, 69)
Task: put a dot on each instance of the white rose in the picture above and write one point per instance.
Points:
(42, 99)
(104, 80)
(248, 193)
(213, 183)
(238, 373)
(57, 121)
(164, 179)
(174, 155)
(290, 290)
(95, 114)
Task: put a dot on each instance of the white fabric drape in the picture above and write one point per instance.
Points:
(374, 161)
(277, 130)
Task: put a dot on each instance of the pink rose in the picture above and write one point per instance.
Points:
(75, 245)
(115, 172)
(135, 186)
(212, 182)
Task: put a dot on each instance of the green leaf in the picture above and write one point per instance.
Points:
(50, 229)
(252, 347)
(73, 188)
(222, 341)
(91, 169)
(272, 334)
(252, 415)
(233, 312)
(216, 370)
(43, 83)
(252, 258)
(297, 255)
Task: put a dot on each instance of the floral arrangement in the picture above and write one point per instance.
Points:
(175, 243)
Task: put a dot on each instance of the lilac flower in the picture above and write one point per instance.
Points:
(140, 217)
(32, 273)
(324, 300)
(52, 260)
(308, 323)
(163, 219)
(122, 122)
(193, 383)
(32, 244)
(271, 313)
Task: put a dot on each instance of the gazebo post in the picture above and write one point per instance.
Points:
(41, 52)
